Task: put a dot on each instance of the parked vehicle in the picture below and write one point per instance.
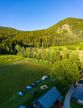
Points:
(44, 77)
(43, 87)
(33, 85)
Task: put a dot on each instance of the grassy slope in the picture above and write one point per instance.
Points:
(76, 23)
(70, 47)
(16, 72)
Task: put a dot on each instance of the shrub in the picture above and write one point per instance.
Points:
(64, 73)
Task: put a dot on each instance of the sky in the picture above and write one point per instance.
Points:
(37, 14)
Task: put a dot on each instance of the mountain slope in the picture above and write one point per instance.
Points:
(69, 27)
(66, 32)
(75, 23)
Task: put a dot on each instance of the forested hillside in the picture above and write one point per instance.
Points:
(66, 32)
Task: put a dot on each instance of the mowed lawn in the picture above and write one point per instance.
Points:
(17, 72)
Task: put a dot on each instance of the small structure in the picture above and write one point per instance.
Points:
(20, 93)
(28, 87)
(48, 99)
(33, 85)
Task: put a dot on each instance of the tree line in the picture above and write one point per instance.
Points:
(9, 38)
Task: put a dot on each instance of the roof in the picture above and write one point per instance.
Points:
(48, 99)
(78, 93)
(80, 81)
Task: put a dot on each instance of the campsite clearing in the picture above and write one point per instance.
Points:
(14, 76)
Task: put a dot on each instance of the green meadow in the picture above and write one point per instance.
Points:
(76, 105)
(16, 72)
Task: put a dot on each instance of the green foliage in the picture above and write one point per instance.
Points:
(54, 55)
(18, 48)
(65, 70)
(65, 53)
(50, 55)
(64, 73)
(10, 38)
(74, 57)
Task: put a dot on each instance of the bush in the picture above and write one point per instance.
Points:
(64, 73)
(74, 57)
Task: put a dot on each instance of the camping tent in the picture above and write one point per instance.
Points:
(28, 87)
(20, 93)
(22, 106)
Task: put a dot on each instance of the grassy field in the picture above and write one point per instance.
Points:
(76, 105)
(70, 47)
(16, 72)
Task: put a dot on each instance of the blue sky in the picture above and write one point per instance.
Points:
(37, 14)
